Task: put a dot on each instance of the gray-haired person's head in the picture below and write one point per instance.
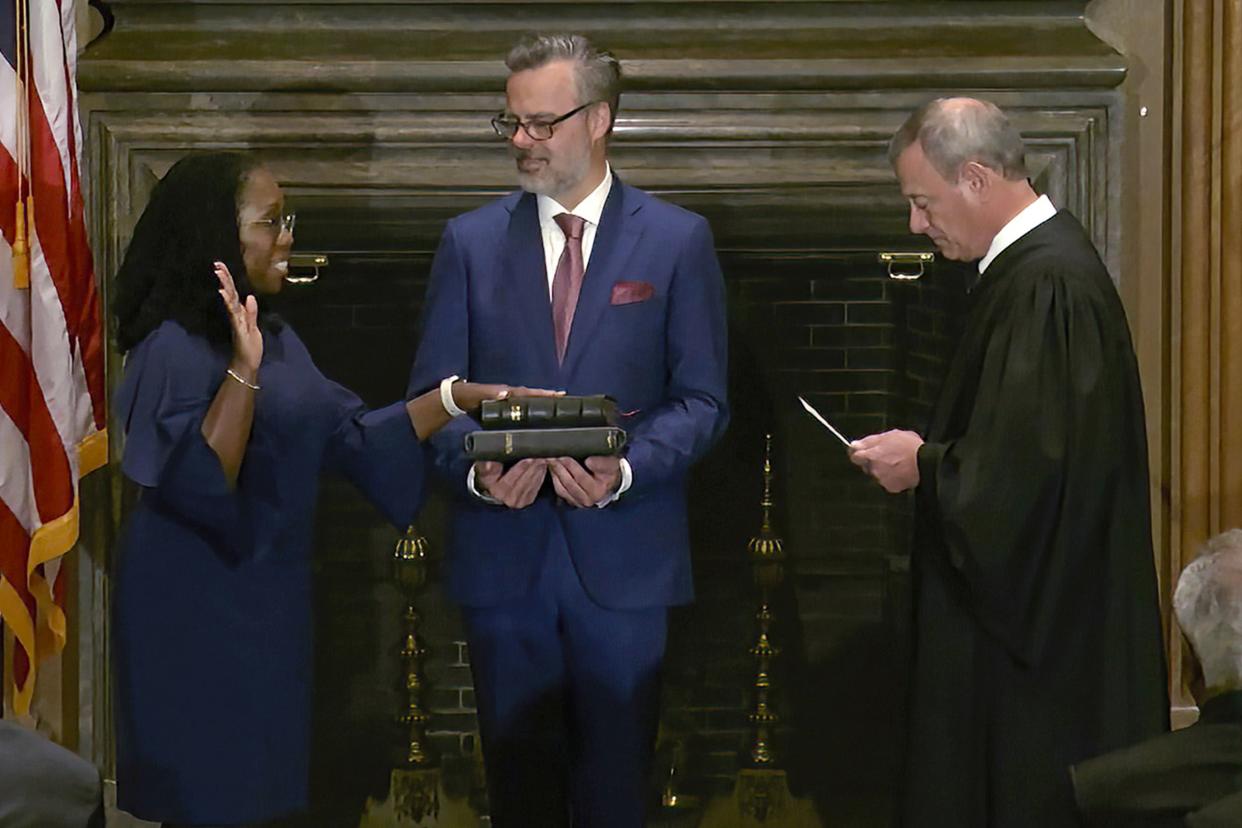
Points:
(952, 131)
(1208, 605)
(598, 73)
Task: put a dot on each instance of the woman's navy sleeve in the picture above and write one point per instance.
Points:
(380, 453)
(169, 383)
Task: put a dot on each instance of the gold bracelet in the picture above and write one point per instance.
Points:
(238, 377)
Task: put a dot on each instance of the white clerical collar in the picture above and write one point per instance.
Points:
(590, 208)
(1035, 214)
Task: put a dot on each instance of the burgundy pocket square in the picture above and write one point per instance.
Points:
(626, 293)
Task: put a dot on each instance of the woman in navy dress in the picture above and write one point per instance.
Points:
(228, 425)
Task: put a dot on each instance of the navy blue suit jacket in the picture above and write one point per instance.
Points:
(488, 317)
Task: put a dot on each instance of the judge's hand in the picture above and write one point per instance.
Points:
(469, 395)
(891, 458)
(244, 321)
(585, 487)
(515, 488)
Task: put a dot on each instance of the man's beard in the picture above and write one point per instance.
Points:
(551, 181)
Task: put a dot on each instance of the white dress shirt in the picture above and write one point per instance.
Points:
(1033, 215)
(590, 209)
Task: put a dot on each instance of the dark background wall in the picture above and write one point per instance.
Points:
(769, 118)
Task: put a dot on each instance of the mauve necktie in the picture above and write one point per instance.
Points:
(567, 281)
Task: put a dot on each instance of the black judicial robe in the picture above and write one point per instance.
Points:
(1037, 637)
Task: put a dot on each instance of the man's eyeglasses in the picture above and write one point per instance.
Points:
(537, 130)
(282, 224)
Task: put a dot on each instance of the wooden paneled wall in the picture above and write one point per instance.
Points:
(1206, 348)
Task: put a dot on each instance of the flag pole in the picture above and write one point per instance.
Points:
(25, 206)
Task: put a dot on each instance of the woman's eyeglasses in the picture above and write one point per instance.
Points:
(282, 224)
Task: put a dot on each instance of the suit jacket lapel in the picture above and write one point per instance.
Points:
(615, 238)
(523, 266)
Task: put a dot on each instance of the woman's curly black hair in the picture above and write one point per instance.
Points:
(189, 223)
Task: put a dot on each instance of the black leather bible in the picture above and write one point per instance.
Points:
(519, 443)
(549, 412)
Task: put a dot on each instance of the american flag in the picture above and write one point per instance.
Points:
(52, 412)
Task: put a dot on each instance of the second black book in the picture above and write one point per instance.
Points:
(516, 444)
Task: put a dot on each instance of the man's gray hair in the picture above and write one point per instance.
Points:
(952, 131)
(598, 72)
(1208, 605)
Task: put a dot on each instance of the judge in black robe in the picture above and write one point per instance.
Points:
(1037, 637)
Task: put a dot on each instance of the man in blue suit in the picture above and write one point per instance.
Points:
(565, 570)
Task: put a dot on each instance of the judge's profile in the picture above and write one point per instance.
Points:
(1037, 634)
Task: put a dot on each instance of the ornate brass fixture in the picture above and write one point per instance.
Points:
(304, 268)
(761, 796)
(906, 267)
(414, 786)
(767, 558)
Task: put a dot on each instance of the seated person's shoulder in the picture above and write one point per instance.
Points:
(1173, 771)
(42, 783)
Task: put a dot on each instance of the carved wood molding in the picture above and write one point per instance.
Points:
(416, 46)
(721, 97)
(751, 170)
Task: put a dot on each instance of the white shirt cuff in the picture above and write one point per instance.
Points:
(627, 480)
(474, 490)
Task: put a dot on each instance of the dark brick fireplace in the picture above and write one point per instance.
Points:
(769, 118)
(825, 322)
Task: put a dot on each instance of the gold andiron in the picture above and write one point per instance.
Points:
(761, 796)
(415, 786)
(767, 557)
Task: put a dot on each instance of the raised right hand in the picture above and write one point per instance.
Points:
(515, 488)
(244, 320)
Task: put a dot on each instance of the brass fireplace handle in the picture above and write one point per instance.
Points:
(304, 262)
(901, 266)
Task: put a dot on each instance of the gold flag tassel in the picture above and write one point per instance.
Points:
(21, 246)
